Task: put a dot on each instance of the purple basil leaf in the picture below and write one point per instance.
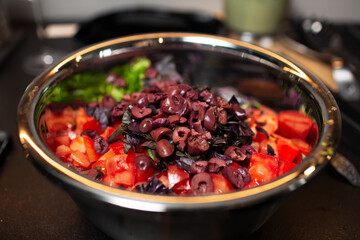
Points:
(127, 147)
(233, 100)
(221, 156)
(184, 163)
(149, 145)
(245, 130)
(103, 117)
(153, 186)
(132, 140)
(134, 127)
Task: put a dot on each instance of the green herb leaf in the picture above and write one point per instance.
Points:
(126, 120)
(151, 154)
(91, 86)
(133, 73)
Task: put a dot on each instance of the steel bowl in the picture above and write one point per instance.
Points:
(201, 59)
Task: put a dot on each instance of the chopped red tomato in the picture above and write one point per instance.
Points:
(57, 122)
(80, 159)
(77, 144)
(163, 177)
(221, 184)
(63, 152)
(266, 119)
(99, 164)
(62, 140)
(303, 147)
(121, 167)
(183, 187)
(84, 122)
(116, 164)
(50, 140)
(259, 137)
(176, 174)
(294, 124)
(313, 135)
(117, 147)
(90, 151)
(110, 180)
(143, 175)
(287, 150)
(92, 124)
(108, 131)
(125, 178)
(264, 145)
(263, 168)
(285, 166)
(107, 155)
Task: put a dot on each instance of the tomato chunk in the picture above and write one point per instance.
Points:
(266, 118)
(183, 187)
(107, 155)
(163, 177)
(90, 151)
(63, 152)
(57, 122)
(221, 184)
(176, 174)
(62, 140)
(285, 166)
(80, 159)
(293, 124)
(77, 144)
(84, 122)
(313, 135)
(108, 131)
(117, 147)
(263, 168)
(264, 147)
(287, 150)
(303, 147)
(125, 178)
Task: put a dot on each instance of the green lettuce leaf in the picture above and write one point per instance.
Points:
(92, 86)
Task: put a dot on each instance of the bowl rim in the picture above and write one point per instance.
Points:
(34, 146)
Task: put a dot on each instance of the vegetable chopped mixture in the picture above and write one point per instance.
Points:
(141, 128)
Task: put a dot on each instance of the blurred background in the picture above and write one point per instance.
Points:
(54, 10)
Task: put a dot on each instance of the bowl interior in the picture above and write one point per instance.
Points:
(201, 60)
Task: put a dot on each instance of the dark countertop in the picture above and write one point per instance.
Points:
(31, 207)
